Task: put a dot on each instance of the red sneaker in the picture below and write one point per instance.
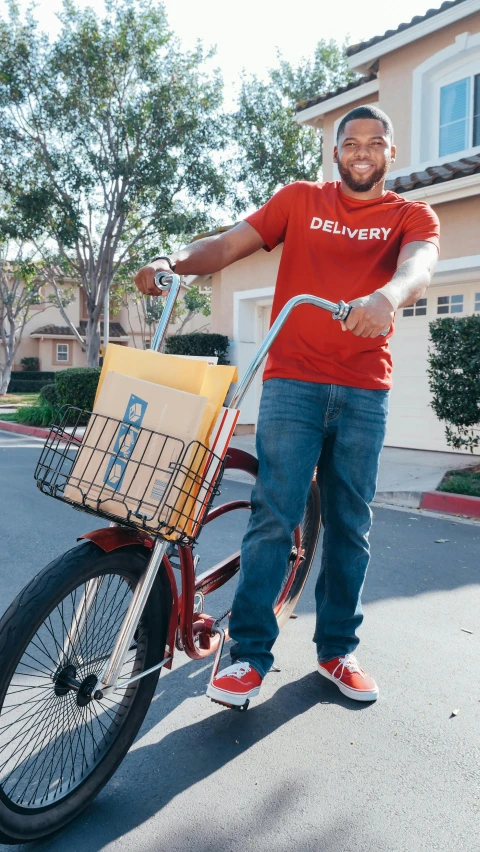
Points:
(350, 678)
(235, 685)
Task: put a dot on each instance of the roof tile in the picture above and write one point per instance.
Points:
(418, 19)
(436, 174)
(115, 330)
(305, 104)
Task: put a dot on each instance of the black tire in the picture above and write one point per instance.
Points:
(32, 806)
(309, 532)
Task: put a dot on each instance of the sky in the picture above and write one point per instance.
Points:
(247, 34)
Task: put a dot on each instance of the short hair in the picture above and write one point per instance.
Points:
(366, 112)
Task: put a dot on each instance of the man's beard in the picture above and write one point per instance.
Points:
(362, 185)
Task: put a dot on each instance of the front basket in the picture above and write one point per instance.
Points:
(130, 475)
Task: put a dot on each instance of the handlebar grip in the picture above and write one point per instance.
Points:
(159, 278)
(346, 312)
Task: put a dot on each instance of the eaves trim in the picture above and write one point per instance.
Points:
(364, 59)
(451, 190)
(308, 116)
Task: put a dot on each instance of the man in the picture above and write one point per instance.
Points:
(326, 389)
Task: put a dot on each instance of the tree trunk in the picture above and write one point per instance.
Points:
(5, 377)
(93, 343)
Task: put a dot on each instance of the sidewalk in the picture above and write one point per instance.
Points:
(408, 477)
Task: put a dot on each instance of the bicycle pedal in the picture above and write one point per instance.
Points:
(240, 709)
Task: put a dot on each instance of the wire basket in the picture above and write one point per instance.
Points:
(128, 474)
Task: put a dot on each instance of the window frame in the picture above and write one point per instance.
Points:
(62, 360)
(459, 59)
(449, 304)
(465, 72)
(419, 309)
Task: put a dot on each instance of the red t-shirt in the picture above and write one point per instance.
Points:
(336, 247)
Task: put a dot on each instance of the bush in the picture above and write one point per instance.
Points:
(77, 386)
(29, 382)
(30, 365)
(454, 378)
(49, 394)
(36, 415)
(199, 344)
(32, 386)
(40, 376)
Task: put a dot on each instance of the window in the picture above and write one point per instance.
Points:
(419, 309)
(477, 302)
(459, 115)
(62, 351)
(450, 305)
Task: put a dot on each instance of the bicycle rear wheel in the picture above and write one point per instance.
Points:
(58, 744)
(221, 525)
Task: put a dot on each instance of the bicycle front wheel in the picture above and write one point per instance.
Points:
(58, 744)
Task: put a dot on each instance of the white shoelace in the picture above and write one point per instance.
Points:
(351, 663)
(237, 670)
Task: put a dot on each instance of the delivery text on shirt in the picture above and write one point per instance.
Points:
(356, 233)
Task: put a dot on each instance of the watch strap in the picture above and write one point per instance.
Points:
(169, 260)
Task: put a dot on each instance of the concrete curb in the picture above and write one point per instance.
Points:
(20, 429)
(411, 499)
(454, 504)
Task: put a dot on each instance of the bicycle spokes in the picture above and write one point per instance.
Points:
(52, 728)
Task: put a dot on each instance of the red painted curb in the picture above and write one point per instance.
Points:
(35, 431)
(453, 504)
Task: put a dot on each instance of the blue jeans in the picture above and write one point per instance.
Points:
(300, 425)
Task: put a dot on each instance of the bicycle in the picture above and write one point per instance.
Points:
(83, 644)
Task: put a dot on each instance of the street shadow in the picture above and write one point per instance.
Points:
(187, 756)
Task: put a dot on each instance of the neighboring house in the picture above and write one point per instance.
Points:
(50, 339)
(426, 76)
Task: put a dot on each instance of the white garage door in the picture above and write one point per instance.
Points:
(412, 423)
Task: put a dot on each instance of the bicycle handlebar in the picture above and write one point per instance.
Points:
(170, 282)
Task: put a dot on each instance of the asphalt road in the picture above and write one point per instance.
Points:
(304, 768)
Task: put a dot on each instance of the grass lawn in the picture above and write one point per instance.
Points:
(19, 399)
(8, 416)
(462, 482)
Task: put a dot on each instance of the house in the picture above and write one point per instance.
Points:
(426, 76)
(48, 337)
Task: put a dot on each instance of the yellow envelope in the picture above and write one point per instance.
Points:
(174, 371)
(168, 370)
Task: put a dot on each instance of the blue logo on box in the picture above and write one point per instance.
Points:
(115, 473)
(135, 410)
(125, 441)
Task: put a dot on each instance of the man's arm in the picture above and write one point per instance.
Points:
(204, 256)
(373, 314)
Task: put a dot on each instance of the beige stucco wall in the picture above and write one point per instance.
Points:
(459, 224)
(396, 76)
(252, 273)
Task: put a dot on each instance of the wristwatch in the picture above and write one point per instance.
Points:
(170, 262)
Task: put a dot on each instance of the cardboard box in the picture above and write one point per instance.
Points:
(128, 468)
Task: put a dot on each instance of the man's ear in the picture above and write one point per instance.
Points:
(393, 153)
(335, 154)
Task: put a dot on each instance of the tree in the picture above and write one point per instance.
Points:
(454, 377)
(272, 149)
(148, 311)
(20, 288)
(110, 140)
(195, 302)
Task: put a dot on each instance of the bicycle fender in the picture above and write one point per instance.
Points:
(112, 538)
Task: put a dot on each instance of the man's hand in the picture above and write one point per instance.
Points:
(145, 277)
(370, 316)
